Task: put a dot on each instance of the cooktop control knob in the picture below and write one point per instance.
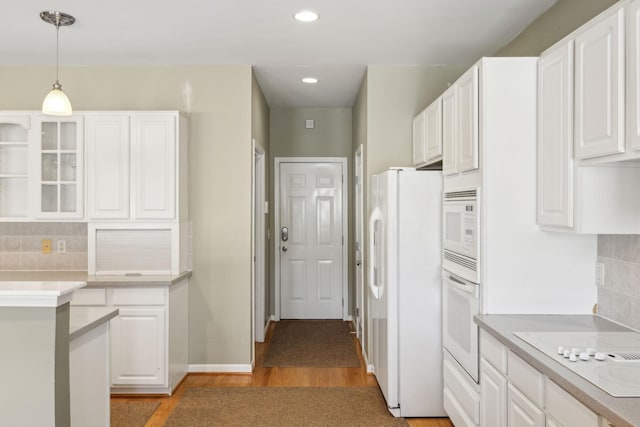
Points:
(573, 357)
(599, 356)
(560, 350)
(591, 351)
(584, 356)
(566, 353)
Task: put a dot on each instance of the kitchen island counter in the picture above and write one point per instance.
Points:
(93, 281)
(621, 411)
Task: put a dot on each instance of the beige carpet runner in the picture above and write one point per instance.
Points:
(283, 406)
(311, 343)
(131, 413)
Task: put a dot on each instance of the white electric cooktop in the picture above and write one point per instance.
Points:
(609, 360)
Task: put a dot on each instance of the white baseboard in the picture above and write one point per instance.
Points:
(227, 369)
(348, 319)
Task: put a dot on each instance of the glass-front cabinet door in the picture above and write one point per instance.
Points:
(59, 162)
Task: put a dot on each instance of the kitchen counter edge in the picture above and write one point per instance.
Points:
(84, 319)
(621, 411)
(95, 281)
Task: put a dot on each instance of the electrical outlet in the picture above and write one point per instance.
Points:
(61, 246)
(46, 246)
(600, 274)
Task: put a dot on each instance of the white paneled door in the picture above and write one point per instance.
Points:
(311, 240)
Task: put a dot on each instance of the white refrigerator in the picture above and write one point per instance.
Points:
(404, 271)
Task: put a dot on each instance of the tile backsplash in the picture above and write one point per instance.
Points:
(21, 246)
(619, 295)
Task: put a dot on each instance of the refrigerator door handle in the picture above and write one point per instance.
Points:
(376, 215)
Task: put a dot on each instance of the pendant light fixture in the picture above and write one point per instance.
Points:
(56, 102)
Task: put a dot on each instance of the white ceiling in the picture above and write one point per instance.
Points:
(349, 35)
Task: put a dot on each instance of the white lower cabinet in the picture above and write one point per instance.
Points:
(521, 412)
(564, 410)
(461, 394)
(515, 394)
(148, 340)
(493, 392)
(138, 337)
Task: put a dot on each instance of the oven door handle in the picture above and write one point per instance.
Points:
(460, 285)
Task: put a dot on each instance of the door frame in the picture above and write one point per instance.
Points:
(258, 213)
(345, 225)
(358, 204)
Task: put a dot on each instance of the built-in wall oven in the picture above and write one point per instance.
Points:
(460, 300)
(460, 241)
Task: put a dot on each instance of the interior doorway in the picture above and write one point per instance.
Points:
(311, 242)
(359, 247)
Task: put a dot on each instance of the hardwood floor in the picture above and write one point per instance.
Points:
(274, 377)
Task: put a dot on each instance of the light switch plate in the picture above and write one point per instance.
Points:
(309, 124)
(46, 246)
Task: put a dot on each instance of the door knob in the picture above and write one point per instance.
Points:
(284, 249)
(358, 263)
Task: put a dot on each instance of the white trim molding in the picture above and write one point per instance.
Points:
(222, 368)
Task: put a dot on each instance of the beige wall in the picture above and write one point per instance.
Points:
(331, 137)
(220, 156)
(561, 19)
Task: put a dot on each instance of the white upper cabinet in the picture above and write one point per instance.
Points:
(555, 136)
(14, 165)
(58, 177)
(633, 75)
(460, 109)
(108, 166)
(467, 120)
(133, 166)
(433, 131)
(449, 148)
(154, 159)
(419, 143)
(599, 86)
(427, 135)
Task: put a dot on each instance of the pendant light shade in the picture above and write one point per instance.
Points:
(56, 103)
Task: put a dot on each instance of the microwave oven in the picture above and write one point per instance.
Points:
(460, 241)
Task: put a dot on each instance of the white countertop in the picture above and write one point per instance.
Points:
(99, 281)
(83, 319)
(37, 293)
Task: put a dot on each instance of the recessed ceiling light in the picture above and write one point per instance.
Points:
(310, 80)
(306, 16)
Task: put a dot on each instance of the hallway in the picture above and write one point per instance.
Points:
(275, 377)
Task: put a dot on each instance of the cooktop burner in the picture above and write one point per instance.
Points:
(609, 360)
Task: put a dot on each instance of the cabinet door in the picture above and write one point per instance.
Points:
(419, 148)
(58, 167)
(633, 75)
(493, 396)
(467, 120)
(449, 148)
(555, 137)
(138, 347)
(108, 166)
(599, 87)
(521, 412)
(154, 166)
(14, 165)
(433, 130)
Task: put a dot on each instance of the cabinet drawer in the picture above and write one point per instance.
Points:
(565, 409)
(97, 297)
(494, 352)
(462, 388)
(521, 411)
(526, 378)
(138, 296)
